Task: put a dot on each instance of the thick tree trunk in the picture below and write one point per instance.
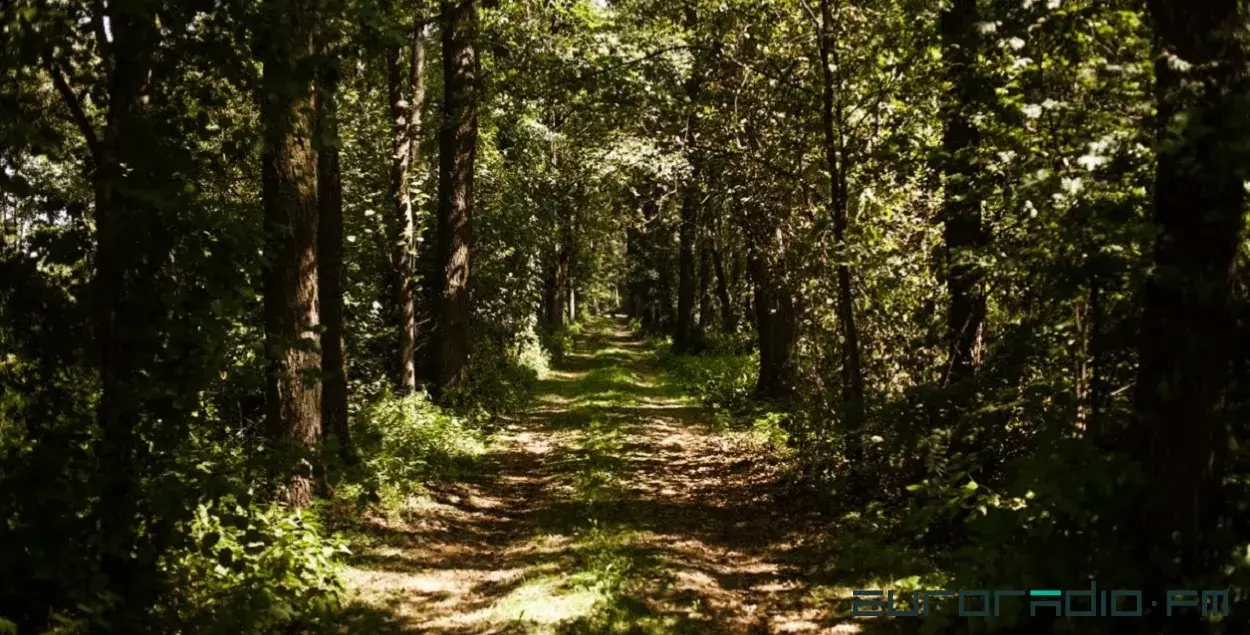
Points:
(289, 194)
(961, 207)
(852, 373)
(330, 273)
(457, 153)
(114, 316)
(1183, 377)
(402, 224)
(775, 323)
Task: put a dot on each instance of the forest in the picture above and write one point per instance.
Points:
(624, 316)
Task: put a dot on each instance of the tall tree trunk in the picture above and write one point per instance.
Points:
(1183, 376)
(775, 326)
(705, 285)
(686, 332)
(835, 156)
(567, 245)
(114, 316)
(330, 273)
(457, 153)
(728, 320)
(416, 79)
(553, 305)
(289, 194)
(961, 207)
(402, 225)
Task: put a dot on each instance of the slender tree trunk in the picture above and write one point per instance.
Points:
(330, 273)
(686, 333)
(553, 304)
(457, 153)
(705, 286)
(852, 373)
(1183, 377)
(421, 320)
(402, 226)
(728, 320)
(961, 207)
(289, 194)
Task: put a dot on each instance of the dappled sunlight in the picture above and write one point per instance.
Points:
(611, 506)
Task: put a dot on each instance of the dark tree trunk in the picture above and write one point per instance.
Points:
(289, 194)
(831, 116)
(115, 315)
(330, 273)
(553, 307)
(961, 207)
(775, 327)
(728, 320)
(1183, 377)
(686, 334)
(705, 286)
(457, 152)
(402, 224)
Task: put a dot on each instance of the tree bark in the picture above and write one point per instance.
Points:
(289, 196)
(686, 333)
(961, 207)
(775, 326)
(416, 80)
(705, 286)
(402, 225)
(330, 272)
(728, 320)
(457, 153)
(118, 164)
(835, 157)
(1183, 379)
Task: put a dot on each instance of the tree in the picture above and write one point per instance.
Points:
(405, 130)
(833, 123)
(289, 194)
(961, 207)
(457, 153)
(1199, 202)
(687, 335)
(330, 269)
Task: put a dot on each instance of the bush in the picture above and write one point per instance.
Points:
(503, 373)
(722, 382)
(405, 442)
(253, 570)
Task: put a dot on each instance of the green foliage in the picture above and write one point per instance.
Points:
(503, 372)
(254, 570)
(724, 382)
(406, 442)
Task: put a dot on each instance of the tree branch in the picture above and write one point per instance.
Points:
(75, 108)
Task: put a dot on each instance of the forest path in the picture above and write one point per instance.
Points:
(612, 506)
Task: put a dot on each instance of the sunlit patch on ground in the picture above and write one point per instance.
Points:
(610, 508)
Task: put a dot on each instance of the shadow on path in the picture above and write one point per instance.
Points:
(609, 507)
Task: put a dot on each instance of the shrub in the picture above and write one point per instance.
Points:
(722, 382)
(405, 442)
(503, 372)
(250, 570)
